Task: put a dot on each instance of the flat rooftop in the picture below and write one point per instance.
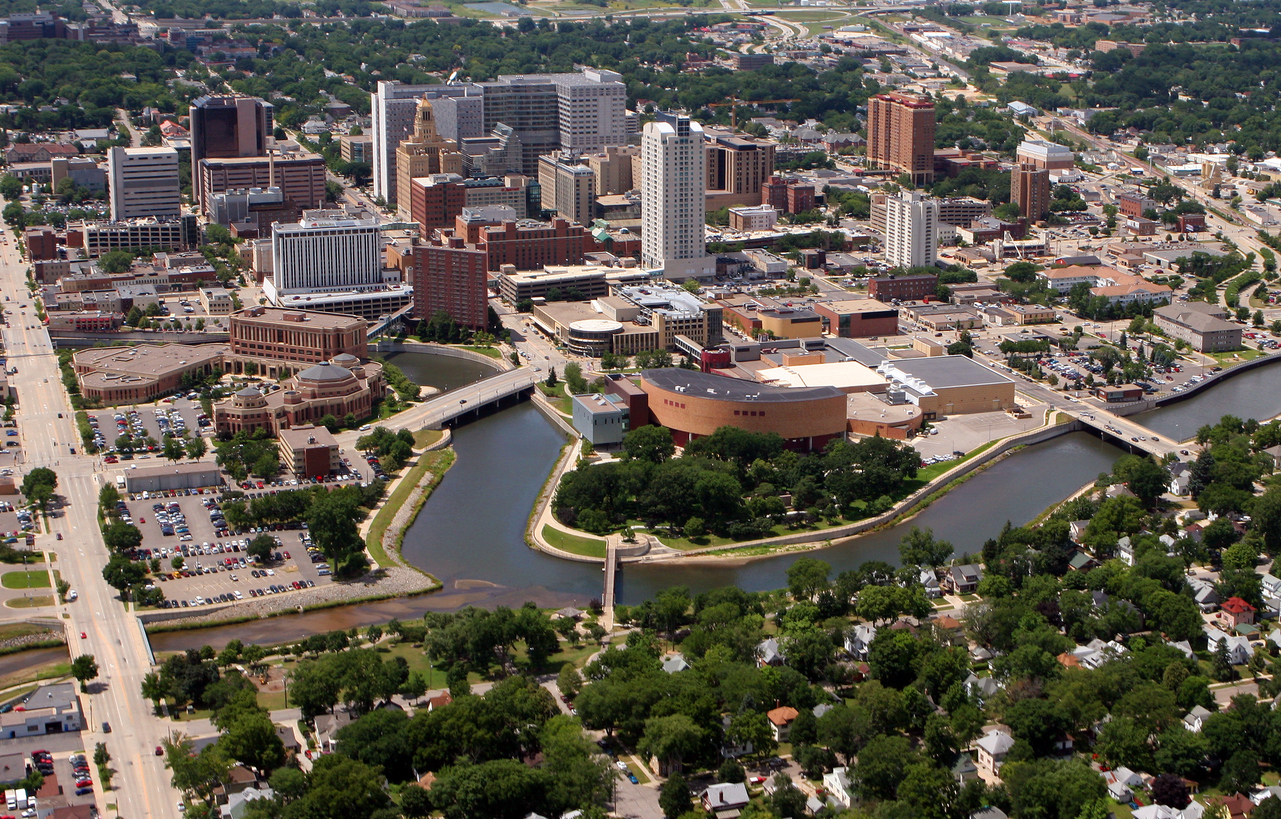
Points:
(146, 360)
(856, 306)
(724, 388)
(843, 375)
(292, 318)
(942, 372)
(306, 436)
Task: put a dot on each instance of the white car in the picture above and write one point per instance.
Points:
(72, 596)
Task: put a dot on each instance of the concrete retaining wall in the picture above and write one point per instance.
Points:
(500, 364)
(165, 615)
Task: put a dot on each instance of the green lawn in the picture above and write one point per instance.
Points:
(562, 402)
(1237, 357)
(492, 352)
(574, 544)
(31, 602)
(928, 473)
(15, 630)
(36, 578)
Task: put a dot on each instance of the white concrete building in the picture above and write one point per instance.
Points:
(144, 183)
(592, 105)
(911, 230)
(1045, 154)
(325, 252)
(673, 205)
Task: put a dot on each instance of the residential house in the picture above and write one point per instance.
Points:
(1194, 719)
(1180, 479)
(780, 721)
(1076, 530)
(821, 709)
(1271, 586)
(990, 812)
(1125, 550)
(1238, 805)
(981, 687)
(1082, 561)
(1204, 593)
(859, 640)
(1239, 649)
(1274, 452)
(993, 749)
(838, 785)
(439, 701)
(964, 769)
(1117, 789)
(1183, 646)
(1194, 810)
(1275, 637)
(673, 663)
(724, 800)
(1096, 652)
(238, 803)
(930, 582)
(1238, 611)
(327, 726)
(768, 653)
(963, 579)
(289, 739)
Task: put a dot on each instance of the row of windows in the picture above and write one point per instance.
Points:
(752, 413)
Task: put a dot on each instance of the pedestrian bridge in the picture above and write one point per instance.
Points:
(384, 324)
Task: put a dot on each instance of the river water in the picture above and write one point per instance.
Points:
(1252, 394)
(470, 534)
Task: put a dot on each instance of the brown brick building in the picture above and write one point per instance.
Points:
(1030, 190)
(787, 195)
(296, 337)
(900, 135)
(452, 277)
(904, 288)
(530, 246)
(300, 176)
(435, 204)
(42, 243)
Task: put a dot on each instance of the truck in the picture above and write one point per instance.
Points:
(120, 482)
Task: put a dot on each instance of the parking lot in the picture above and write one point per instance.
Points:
(215, 566)
(61, 747)
(154, 421)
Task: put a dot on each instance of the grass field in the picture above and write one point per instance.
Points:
(31, 602)
(574, 544)
(36, 578)
(928, 473)
(1228, 359)
(12, 631)
(45, 671)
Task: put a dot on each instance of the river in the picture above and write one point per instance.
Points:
(1252, 394)
(470, 534)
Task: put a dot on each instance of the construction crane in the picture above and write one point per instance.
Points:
(734, 102)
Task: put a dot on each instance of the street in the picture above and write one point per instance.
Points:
(114, 635)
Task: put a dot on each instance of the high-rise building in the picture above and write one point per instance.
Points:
(326, 251)
(424, 154)
(900, 135)
(613, 169)
(299, 175)
(568, 187)
(673, 207)
(459, 112)
(582, 111)
(738, 166)
(451, 278)
(144, 182)
(911, 230)
(1030, 190)
(224, 127)
(1040, 153)
(788, 194)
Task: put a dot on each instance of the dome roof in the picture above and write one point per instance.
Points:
(324, 371)
(249, 392)
(344, 360)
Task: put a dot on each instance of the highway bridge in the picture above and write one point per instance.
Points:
(470, 402)
(1134, 436)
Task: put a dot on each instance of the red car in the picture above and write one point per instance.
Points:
(160, 751)
(84, 636)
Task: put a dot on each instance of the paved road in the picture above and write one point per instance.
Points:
(112, 633)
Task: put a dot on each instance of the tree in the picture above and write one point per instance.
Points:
(173, 450)
(551, 378)
(882, 764)
(261, 547)
(333, 520)
(1269, 808)
(919, 548)
(1169, 790)
(196, 448)
(38, 486)
(120, 536)
(115, 261)
(730, 771)
(123, 574)
(671, 739)
(251, 738)
(806, 577)
(674, 797)
(649, 443)
(84, 668)
(1240, 772)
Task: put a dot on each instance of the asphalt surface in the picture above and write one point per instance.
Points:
(113, 634)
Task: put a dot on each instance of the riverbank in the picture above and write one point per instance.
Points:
(813, 540)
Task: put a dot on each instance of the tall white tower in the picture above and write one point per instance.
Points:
(911, 230)
(673, 207)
